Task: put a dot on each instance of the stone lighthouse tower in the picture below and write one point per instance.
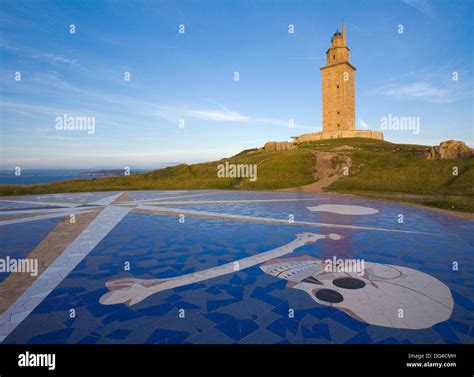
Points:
(338, 86)
(338, 89)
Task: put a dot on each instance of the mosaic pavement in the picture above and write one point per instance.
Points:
(232, 267)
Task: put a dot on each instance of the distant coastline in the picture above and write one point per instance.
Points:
(38, 176)
(379, 170)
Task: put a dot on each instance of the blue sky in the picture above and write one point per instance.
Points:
(190, 76)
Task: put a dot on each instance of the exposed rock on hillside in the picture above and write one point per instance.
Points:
(448, 150)
(343, 148)
(278, 146)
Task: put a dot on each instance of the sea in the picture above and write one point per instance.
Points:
(35, 176)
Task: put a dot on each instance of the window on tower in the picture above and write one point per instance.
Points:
(334, 57)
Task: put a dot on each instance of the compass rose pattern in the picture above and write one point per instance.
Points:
(83, 241)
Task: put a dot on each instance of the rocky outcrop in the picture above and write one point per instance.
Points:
(277, 146)
(448, 150)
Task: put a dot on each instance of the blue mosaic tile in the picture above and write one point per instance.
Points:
(460, 327)
(121, 315)
(446, 331)
(277, 328)
(247, 326)
(262, 295)
(348, 321)
(322, 330)
(248, 305)
(217, 304)
(213, 290)
(55, 304)
(157, 310)
(362, 338)
(218, 317)
(58, 336)
(89, 339)
(321, 312)
(99, 310)
(173, 298)
(235, 279)
(185, 305)
(308, 333)
(463, 301)
(230, 327)
(390, 340)
(119, 334)
(290, 324)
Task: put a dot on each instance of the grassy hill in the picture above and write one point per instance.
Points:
(275, 170)
(379, 169)
(399, 172)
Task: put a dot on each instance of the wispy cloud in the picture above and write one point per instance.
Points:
(422, 6)
(54, 58)
(174, 114)
(223, 116)
(220, 114)
(51, 112)
(55, 85)
(217, 113)
(419, 90)
(28, 109)
(35, 54)
(7, 19)
(8, 46)
(149, 112)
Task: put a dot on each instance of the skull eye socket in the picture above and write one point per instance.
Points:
(329, 295)
(349, 283)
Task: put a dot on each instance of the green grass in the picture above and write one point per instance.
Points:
(379, 169)
(405, 171)
(399, 172)
(274, 170)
